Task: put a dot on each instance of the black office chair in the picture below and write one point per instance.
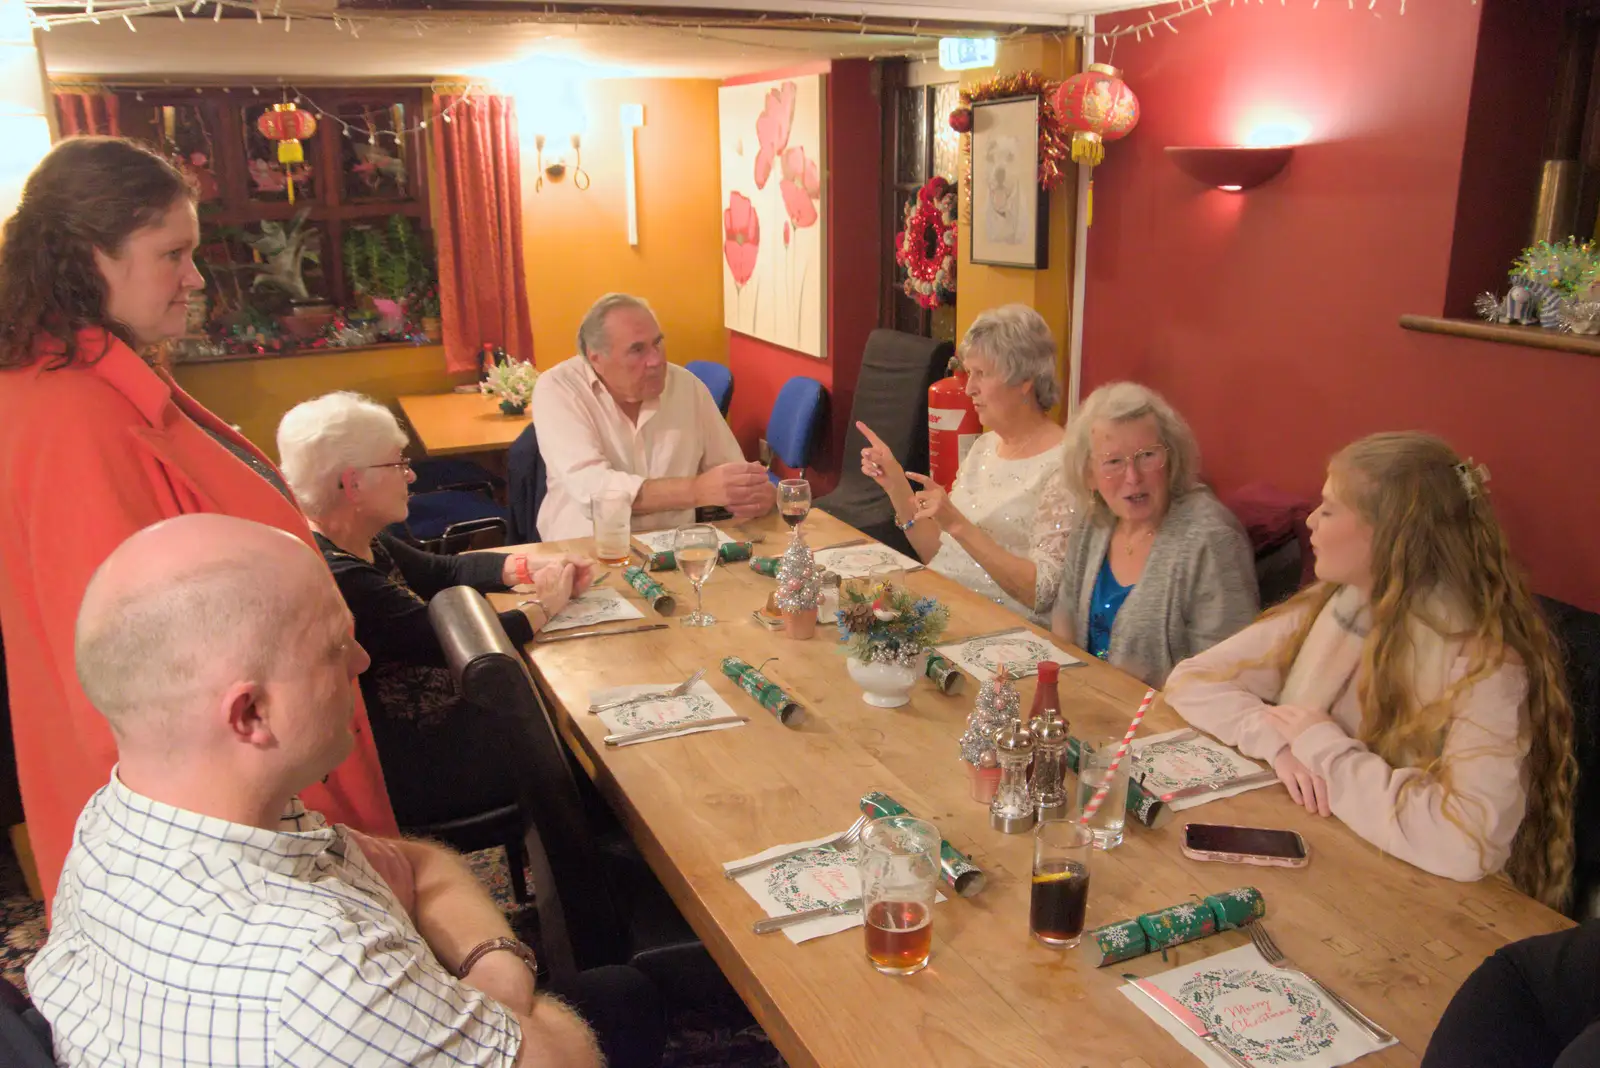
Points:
(597, 901)
(891, 398)
(525, 486)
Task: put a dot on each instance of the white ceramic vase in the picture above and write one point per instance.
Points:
(883, 685)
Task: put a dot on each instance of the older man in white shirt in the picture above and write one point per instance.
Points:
(618, 418)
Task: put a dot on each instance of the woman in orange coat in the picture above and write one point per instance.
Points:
(96, 267)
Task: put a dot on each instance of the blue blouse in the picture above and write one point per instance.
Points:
(1105, 601)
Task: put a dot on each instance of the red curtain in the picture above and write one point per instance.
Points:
(483, 291)
(87, 113)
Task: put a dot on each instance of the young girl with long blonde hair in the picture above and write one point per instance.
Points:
(1414, 691)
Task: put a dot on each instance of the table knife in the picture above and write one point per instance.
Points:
(1180, 1012)
(778, 923)
(630, 737)
(1243, 780)
(571, 635)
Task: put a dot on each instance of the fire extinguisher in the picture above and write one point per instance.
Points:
(953, 425)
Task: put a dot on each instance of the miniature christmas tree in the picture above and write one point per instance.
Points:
(998, 704)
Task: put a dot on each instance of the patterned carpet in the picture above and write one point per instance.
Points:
(718, 1034)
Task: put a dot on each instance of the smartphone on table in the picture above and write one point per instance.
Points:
(1244, 845)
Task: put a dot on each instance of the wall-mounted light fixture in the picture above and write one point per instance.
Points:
(1230, 168)
(556, 167)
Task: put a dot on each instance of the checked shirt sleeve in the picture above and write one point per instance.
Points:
(364, 995)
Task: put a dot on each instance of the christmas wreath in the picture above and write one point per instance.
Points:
(926, 248)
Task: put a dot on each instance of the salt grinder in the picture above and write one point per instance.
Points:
(1013, 810)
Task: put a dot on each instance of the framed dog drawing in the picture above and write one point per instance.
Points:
(1010, 213)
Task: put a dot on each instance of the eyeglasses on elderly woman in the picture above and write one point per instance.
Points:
(1145, 461)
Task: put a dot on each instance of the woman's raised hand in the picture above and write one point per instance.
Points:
(878, 462)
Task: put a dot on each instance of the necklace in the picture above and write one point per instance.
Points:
(1128, 548)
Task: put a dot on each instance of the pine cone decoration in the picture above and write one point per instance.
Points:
(858, 617)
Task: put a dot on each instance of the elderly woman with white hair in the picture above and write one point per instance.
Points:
(341, 455)
(1157, 569)
(1002, 529)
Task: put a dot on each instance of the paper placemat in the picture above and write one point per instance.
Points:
(857, 561)
(599, 605)
(811, 880)
(661, 541)
(1020, 650)
(1267, 1015)
(701, 702)
(1177, 760)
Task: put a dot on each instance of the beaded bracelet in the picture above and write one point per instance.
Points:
(907, 525)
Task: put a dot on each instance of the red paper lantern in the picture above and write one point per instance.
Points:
(1098, 106)
(287, 125)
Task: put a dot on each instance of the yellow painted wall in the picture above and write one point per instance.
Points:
(254, 394)
(576, 242)
(1048, 291)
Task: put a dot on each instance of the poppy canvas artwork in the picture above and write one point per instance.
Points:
(774, 215)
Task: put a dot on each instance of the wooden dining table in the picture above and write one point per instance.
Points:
(448, 424)
(1390, 938)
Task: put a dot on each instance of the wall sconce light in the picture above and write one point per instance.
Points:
(24, 125)
(556, 169)
(1230, 168)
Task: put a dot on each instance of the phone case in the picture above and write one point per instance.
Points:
(1252, 858)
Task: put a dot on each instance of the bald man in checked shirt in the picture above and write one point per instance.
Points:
(204, 916)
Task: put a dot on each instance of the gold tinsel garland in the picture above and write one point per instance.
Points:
(1055, 140)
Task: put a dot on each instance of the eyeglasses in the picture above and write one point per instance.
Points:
(398, 463)
(1145, 460)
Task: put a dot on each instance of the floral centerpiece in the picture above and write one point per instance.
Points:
(887, 631)
(511, 381)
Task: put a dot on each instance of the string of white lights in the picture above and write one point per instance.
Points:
(1189, 7)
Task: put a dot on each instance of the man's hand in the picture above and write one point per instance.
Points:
(392, 865)
(739, 487)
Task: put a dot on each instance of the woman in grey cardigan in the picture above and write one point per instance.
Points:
(1158, 570)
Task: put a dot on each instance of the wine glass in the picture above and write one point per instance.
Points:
(696, 549)
(794, 501)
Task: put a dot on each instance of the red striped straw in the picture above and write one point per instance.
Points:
(1127, 739)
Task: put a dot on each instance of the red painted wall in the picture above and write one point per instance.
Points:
(1269, 318)
(854, 171)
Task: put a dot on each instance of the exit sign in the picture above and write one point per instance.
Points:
(966, 53)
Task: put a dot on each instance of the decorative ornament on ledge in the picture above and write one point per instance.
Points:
(1553, 285)
(926, 248)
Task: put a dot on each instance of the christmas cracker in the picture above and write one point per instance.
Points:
(1143, 805)
(729, 552)
(765, 565)
(944, 674)
(1174, 925)
(766, 692)
(652, 591)
(962, 876)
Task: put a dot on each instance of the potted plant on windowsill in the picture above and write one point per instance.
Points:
(285, 250)
(428, 311)
(386, 268)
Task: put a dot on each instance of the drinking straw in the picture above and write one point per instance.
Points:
(1127, 739)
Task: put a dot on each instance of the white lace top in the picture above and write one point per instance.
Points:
(1022, 504)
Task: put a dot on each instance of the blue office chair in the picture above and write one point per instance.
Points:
(525, 486)
(718, 379)
(797, 413)
(447, 472)
(452, 521)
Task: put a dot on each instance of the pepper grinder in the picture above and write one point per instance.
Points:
(1013, 810)
(1048, 787)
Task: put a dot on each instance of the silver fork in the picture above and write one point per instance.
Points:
(842, 842)
(1274, 956)
(661, 695)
